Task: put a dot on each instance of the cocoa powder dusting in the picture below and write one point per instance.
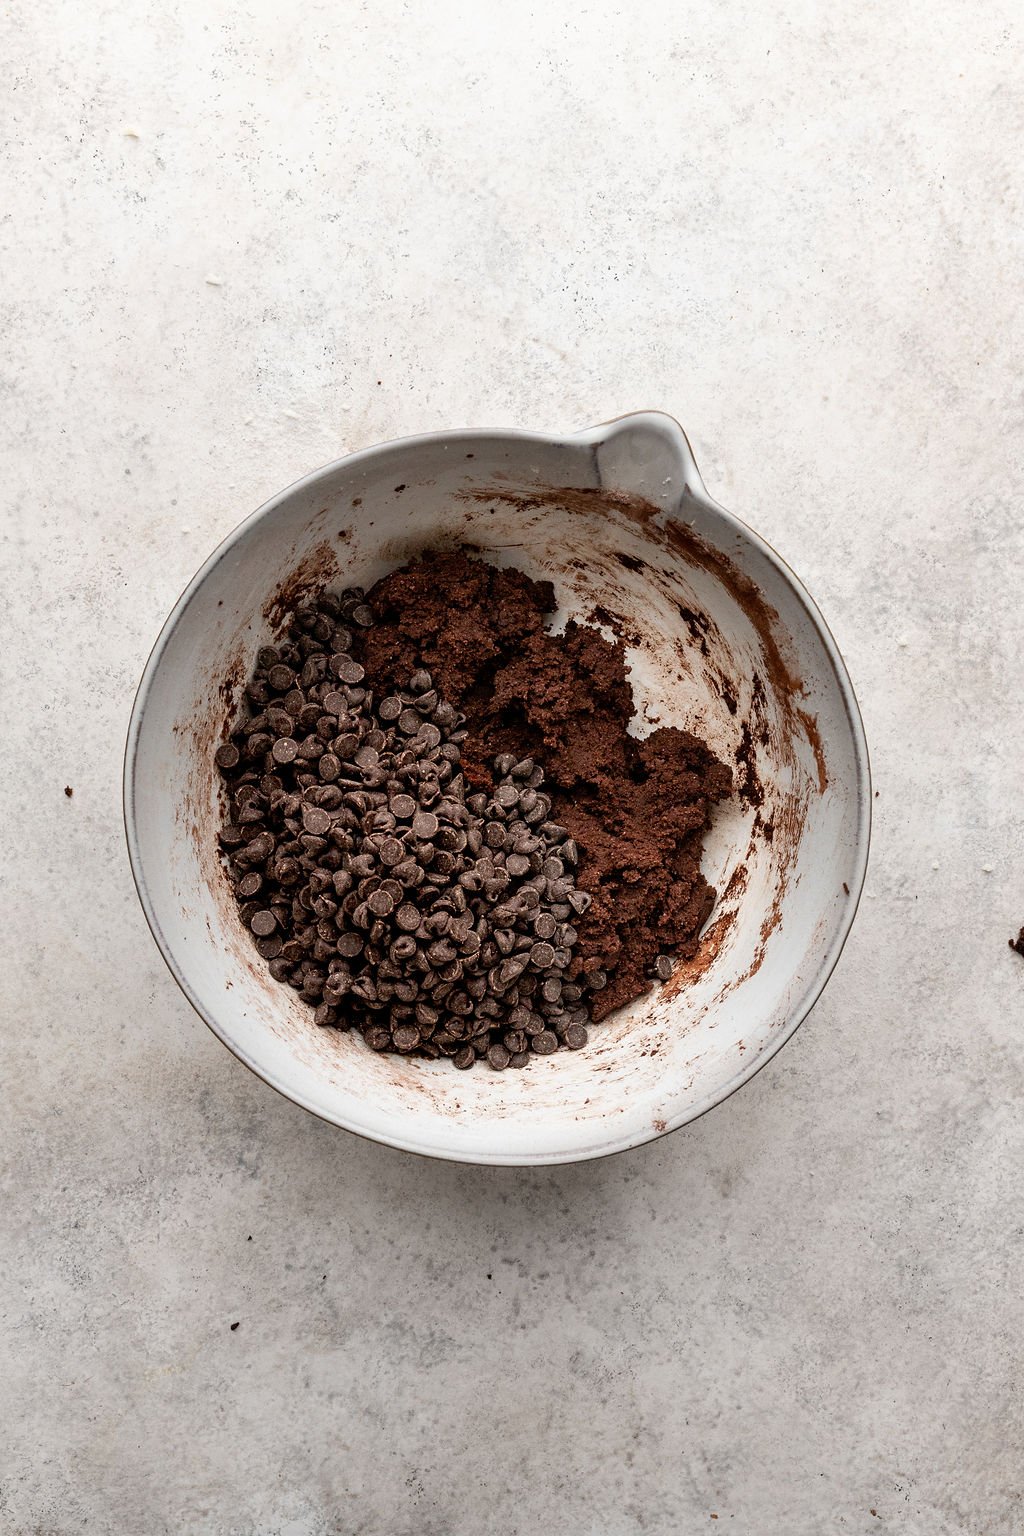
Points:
(638, 809)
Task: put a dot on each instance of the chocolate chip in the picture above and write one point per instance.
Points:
(258, 850)
(347, 671)
(315, 820)
(576, 1037)
(263, 923)
(226, 757)
(281, 678)
(285, 750)
(544, 1043)
(329, 768)
(663, 967)
(391, 851)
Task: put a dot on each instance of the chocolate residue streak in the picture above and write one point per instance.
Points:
(208, 728)
(712, 940)
(810, 725)
(315, 571)
(601, 615)
(708, 950)
(750, 787)
(229, 691)
(787, 687)
(737, 883)
(570, 498)
(617, 623)
(698, 624)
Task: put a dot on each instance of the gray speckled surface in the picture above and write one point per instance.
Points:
(798, 234)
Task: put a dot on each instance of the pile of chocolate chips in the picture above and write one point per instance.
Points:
(396, 899)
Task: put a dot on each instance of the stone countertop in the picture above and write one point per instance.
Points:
(238, 242)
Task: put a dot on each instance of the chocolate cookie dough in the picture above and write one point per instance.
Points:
(637, 809)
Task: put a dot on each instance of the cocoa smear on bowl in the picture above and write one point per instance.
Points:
(638, 809)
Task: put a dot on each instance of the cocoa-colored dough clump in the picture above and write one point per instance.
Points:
(638, 809)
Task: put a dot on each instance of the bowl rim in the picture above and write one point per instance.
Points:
(696, 489)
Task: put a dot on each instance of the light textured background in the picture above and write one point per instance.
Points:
(797, 228)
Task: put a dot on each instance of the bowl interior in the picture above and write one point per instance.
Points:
(720, 640)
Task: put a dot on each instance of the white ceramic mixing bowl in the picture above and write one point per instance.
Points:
(722, 639)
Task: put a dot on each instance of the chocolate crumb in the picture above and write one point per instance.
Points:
(68, 790)
(233, 1327)
(750, 787)
(1018, 943)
